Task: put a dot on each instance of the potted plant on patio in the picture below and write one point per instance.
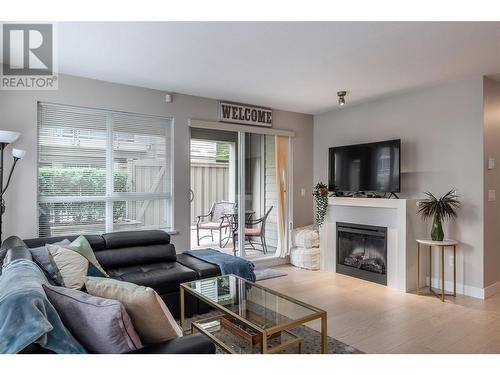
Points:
(444, 208)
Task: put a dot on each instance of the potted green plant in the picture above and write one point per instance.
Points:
(444, 208)
(320, 194)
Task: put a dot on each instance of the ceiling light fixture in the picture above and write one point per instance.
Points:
(341, 95)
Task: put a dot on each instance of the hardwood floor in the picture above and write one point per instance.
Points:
(376, 319)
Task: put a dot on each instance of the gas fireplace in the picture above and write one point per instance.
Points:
(362, 251)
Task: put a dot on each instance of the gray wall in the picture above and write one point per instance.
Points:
(491, 181)
(442, 147)
(18, 111)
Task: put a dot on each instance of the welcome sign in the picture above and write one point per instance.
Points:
(245, 114)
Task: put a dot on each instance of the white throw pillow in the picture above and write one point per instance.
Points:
(72, 266)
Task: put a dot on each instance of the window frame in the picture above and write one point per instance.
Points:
(110, 195)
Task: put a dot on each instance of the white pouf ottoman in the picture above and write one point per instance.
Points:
(305, 248)
(305, 237)
(305, 258)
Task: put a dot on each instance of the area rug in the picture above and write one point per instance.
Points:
(268, 273)
(312, 340)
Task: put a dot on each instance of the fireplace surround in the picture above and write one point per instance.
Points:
(362, 251)
(403, 225)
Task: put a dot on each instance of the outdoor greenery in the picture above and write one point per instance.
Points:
(222, 153)
(80, 182)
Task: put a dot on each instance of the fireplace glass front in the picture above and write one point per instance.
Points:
(362, 251)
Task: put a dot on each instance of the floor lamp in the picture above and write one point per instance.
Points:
(6, 138)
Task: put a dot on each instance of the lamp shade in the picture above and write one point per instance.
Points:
(8, 136)
(17, 153)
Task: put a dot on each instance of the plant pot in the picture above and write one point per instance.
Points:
(437, 233)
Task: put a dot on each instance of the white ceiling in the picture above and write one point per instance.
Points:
(292, 66)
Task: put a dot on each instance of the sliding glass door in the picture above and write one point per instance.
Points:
(214, 190)
(266, 186)
(240, 175)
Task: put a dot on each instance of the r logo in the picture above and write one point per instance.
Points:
(27, 49)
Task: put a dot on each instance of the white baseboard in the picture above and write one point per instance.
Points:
(466, 290)
(270, 262)
(492, 289)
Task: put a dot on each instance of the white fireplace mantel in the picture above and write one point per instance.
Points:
(403, 226)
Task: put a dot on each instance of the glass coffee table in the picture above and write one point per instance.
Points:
(248, 317)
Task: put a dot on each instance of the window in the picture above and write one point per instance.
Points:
(101, 171)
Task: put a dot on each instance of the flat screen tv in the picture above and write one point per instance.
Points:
(369, 167)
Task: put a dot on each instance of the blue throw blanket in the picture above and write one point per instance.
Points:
(228, 264)
(26, 316)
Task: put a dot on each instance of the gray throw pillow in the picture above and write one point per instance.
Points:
(43, 259)
(151, 317)
(101, 325)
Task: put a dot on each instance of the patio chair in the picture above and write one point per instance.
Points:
(254, 228)
(217, 220)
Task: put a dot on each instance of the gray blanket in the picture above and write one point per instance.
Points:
(26, 316)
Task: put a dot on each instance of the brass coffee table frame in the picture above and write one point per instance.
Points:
(265, 333)
(196, 326)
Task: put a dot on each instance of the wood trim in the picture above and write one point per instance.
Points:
(193, 123)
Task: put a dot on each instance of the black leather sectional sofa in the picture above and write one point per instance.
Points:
(146, 258)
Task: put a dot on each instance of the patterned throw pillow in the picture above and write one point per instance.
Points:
(150, 316)
(75, 261)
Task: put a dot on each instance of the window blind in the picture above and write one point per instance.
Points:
(101, 171)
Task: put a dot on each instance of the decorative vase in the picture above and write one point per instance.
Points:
(437, 233)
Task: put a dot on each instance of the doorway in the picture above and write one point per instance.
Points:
(220, 194)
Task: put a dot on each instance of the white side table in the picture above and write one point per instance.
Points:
(442, 245)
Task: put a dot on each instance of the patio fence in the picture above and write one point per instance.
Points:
(209, 183)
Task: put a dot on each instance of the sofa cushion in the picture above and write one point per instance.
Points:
(96, 241)
(163, 277)
(191, 344)
(9, 243)
(101, 325)
(135, 238)
(151, 318)
(202, 268)
(131, 256)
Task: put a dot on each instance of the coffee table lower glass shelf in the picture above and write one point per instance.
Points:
(250, 312)
(236, 338)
